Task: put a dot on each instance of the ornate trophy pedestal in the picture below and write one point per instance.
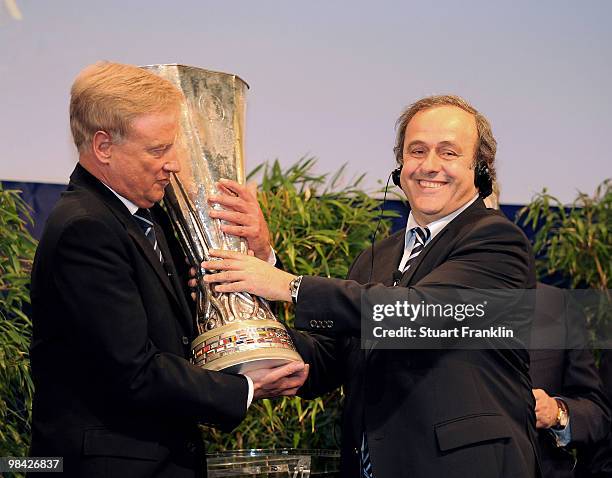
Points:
(244, 346)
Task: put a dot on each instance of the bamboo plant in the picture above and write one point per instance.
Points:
(16, 254)
(573, 242)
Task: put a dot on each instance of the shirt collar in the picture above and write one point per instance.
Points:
(126, 202)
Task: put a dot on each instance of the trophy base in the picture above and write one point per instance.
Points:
(257, 364)
(243, 346)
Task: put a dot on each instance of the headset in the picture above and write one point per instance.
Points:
(395, 176)
(482, 178)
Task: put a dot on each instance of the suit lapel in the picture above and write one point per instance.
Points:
(391, 250)
(172, 275)
(165, 272)
(83, 178)
(443, 237)
(409, 274)
(147, 251)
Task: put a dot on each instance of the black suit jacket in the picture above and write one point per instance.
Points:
(115, 394)
(598, 459)
(447, 413)
(563, 367)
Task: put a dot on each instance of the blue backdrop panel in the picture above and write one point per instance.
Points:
(41, 198)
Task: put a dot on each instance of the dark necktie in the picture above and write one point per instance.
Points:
(421, 236)
(366, 463)
(145, 221)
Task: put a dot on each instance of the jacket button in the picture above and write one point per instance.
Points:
(185, 340)
(355, 451)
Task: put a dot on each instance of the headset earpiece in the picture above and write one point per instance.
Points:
(482, 179)
(395, 176)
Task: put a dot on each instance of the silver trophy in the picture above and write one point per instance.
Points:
(237, 331)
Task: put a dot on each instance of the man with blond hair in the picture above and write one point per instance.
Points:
(115, 393)
(413, 412)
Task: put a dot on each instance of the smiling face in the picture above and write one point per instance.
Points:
(438, 158)
(139, 166)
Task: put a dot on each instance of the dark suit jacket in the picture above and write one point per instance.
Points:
(442, 413)
(114, 392)
(563, 367)
(597, 461)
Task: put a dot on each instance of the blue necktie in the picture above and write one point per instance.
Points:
(145, 221)
(366, 463)
(421, 236)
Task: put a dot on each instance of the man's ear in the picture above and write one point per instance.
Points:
(102, 145)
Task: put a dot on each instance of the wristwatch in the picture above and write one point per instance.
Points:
(562, 415)
(294, 288)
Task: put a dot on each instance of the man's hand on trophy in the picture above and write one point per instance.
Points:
(277, 381)
(244, 273)
(242, 210)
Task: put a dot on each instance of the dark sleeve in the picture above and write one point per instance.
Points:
(95, 279)
(599, 455)
(494, 255)
(325, 355)
(583, 393)
(179, 258)
(582, 388)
